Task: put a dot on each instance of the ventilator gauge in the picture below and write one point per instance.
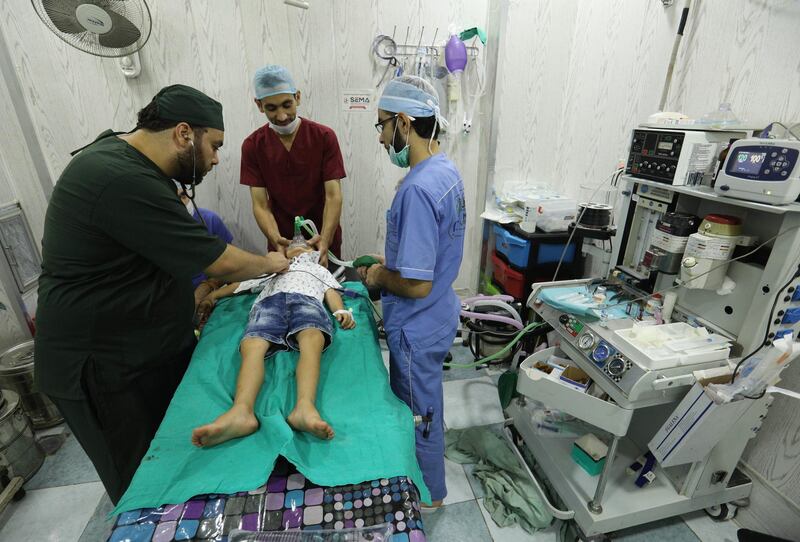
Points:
(601, 353)
(586, 341)
(616, 367)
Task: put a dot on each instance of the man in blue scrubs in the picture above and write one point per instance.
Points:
(424, 245)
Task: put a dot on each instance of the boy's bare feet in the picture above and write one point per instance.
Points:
(305, 417)
(236, 422)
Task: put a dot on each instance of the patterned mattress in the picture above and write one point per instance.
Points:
(286, 502)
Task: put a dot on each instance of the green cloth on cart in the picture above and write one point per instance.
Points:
(374, 429)
(510, 496)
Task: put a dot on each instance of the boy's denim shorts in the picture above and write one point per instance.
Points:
(280, 317)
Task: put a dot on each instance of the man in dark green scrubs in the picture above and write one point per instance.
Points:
(114, 319)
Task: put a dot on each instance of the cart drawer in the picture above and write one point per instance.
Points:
(539, 386)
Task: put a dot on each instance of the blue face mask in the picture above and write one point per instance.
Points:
(400, 159)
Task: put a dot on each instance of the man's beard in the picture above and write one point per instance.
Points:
(186, 168)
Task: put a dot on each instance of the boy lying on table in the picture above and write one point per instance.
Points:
(288, 314)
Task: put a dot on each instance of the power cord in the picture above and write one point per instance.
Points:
(788, 130)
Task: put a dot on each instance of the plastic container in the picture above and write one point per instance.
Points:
(587, 462)
(515, 249)
(659, 345)
(653, 305)
(720, 118)
(555, 214)
(512, 281)
(551, 253)
(555, 394)
(523, 253)
(529, 216)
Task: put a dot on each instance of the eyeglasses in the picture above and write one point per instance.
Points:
(379, 125)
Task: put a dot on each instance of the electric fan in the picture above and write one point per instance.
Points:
(108, 28)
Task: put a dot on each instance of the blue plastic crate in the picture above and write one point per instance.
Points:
(549, 253)
(515, 249)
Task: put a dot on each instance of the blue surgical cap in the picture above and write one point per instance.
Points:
(413, 96)
(271, 80)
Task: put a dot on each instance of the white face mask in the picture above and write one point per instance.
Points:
(289, 129)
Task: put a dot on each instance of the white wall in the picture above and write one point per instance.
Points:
(574, 77)
(216, 47)
(19, 181)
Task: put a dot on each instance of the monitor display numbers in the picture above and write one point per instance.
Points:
(665, 145)
(749, 162)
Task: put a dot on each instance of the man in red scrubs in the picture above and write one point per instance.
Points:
(293, 167)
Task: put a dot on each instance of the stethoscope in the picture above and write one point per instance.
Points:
(194, 184)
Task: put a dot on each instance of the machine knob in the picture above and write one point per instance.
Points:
(724, 187)
(564, 319)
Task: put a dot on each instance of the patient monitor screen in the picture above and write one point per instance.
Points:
(749, 162)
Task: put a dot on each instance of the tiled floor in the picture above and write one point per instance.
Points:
(66, 502)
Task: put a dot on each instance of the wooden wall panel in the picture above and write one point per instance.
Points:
(216, 47)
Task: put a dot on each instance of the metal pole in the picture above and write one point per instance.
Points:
(675, 46)
(595, 505)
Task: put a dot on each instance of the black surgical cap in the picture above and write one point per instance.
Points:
(181, 103)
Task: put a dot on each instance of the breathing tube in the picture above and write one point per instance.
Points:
(311, 229)
(308, 225)
(524, 331)
(303, 224)
(477, 330)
